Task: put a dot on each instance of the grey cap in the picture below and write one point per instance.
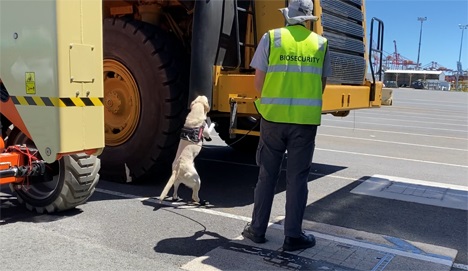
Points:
(299, 11)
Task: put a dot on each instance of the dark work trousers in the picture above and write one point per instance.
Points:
(275, 139)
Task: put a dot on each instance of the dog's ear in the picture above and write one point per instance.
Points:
(206, 105)
(204, 100)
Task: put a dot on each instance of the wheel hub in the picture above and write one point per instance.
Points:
(121, 101)
(113, 102)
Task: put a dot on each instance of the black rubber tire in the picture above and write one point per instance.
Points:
(160, 68)
(246, 144)
(74, 179)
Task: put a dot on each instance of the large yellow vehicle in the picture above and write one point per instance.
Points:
(81, 74)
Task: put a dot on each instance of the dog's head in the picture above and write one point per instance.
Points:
(201, 100)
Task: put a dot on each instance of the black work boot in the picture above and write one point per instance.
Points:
(302, 242)
(256, 238)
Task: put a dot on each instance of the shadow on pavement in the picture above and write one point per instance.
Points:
(11, 211)
(406, 220)
(228, 179)
(198, 244)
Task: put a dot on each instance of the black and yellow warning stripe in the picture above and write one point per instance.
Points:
(57, 102)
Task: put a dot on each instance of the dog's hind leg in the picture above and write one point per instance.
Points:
(196, 188)
(168, 186)
(176, 188)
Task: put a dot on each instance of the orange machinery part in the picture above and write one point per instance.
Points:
(9, 110)
(10, 159)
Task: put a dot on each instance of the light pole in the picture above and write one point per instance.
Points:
(459, 65)
(421, 19)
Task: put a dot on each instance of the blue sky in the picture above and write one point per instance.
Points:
(441, 34)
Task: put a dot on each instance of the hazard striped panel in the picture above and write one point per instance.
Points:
(57, 102)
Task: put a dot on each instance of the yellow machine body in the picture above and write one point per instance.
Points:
(51, 64)
(337, 97)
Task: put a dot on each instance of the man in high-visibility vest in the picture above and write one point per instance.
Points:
(291, 64)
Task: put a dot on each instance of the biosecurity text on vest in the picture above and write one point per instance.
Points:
(311, 59)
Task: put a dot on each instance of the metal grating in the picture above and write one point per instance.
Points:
(343, 9)
(356, 2)
(347, 69)
(341, 42)
(343, 26)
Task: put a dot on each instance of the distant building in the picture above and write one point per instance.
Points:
(407, 77)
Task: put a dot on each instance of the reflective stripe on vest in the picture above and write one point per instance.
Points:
(291, 101)
(287, 68)
(292, 90)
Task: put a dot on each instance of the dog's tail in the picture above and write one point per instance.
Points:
(170, 183)
(168, 186)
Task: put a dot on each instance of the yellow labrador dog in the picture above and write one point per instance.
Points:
(195, 130)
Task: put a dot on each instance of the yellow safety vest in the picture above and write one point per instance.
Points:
(292, 90)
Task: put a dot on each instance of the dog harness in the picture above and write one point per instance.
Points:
(192, 134)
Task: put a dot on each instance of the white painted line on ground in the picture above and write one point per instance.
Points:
(395, 142)
(378, 115)
(119, 194)
(403, 126)
(395, 158)
(434, 103)
(170, 204)
(406, 120)
(280, 227)
(393, 132)
(332, 176)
